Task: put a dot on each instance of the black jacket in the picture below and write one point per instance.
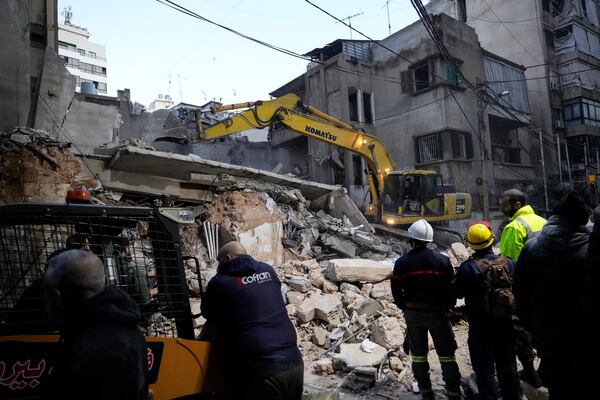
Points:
(103, 354)
(422, 280)
(549, 284)
(245, 304)
(469, 284)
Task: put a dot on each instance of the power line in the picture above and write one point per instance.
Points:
(546, 76)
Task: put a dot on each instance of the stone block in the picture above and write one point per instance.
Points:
(352, 356)
(329, 287)
(347, 287)
(294, 297)
(309, 265)
(381, 289)
(319, 336)
(369, 307)
(345, 247)
(324, 366)
(396, 364)
(366, 289)
(460, 251)
(326, 307)
(357, 270)
(299, 284)
(387, 332)
(316, 277)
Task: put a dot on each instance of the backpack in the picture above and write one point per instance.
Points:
(499, 301)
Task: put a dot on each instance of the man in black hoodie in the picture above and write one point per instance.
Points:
(549, 287)
(243, 302)
(102, 354)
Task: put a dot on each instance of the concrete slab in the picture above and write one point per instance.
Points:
(357, 270)
(351, 356)
(180, 167)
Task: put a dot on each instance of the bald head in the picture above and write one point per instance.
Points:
(230, 251)
(76, 275)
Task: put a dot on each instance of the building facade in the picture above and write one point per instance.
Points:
(162, 102)
(409, 96)
(559, 42)
(85, 60)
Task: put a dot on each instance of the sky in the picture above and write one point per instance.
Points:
(153, 49)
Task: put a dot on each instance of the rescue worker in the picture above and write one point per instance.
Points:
(244, 305)
(491, 336)
(549, 289)
(524, 225)
(422, 288)
(102, 354)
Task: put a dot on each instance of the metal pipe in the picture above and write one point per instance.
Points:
(217, 237)
(597, 162)
(209, 246)
(212, 241)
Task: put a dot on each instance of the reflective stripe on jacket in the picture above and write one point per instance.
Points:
(515, 234)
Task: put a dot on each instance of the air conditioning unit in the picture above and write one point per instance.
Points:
(560, 124)
(554, 86)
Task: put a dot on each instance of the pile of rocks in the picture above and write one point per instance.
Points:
(345, 317)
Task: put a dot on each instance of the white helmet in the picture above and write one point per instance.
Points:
(421, 230)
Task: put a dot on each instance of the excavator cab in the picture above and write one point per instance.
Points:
(410, 195)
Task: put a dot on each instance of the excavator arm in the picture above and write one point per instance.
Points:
(289, 111)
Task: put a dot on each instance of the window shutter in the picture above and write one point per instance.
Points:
(407, 81)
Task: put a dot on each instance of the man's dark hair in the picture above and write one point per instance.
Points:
(572, 206)
(515, 195)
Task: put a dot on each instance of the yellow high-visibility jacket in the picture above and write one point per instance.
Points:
(523, 226)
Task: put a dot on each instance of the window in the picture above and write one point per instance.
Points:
(37, 36)
(368, 112)
(452, 75)
(67, 46)
(462, 148)
(572, 111)
(91, 54)
(422, 77)
(357, 169)
(81, 51)
(101, 87)
(429, 148)
(71, 62)
(353, 104)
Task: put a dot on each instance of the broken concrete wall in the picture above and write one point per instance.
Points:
(94, 120)
(35, 168)
(30, 66)
(254, 220)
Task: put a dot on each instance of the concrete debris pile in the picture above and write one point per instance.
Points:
(345, 317)
(34, 167)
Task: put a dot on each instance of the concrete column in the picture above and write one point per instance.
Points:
(359, 106)
(348, 169)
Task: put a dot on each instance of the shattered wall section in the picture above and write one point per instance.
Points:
(253, 219)
(34, 168)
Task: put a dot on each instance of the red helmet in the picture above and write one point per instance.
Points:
(482, 222)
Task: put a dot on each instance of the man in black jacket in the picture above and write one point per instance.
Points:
(102, 354)
(549, 287)
(422, 288)
(244, 304)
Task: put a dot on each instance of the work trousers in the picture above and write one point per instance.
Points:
(285, 385)
(492, 343)
(418, 324)
(524, 344)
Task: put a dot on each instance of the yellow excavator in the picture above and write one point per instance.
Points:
(397, 197)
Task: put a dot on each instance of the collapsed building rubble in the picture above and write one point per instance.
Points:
(334, 270)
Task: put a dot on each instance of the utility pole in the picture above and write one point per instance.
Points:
(480, 132)
(558, 152)
(597, 162)
(569, 164)
(180, 92)
(543, 169)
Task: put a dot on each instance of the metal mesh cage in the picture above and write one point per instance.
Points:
(139, 247)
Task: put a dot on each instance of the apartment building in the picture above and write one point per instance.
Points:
(84, 59)
(406, 93)
(559, 43)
